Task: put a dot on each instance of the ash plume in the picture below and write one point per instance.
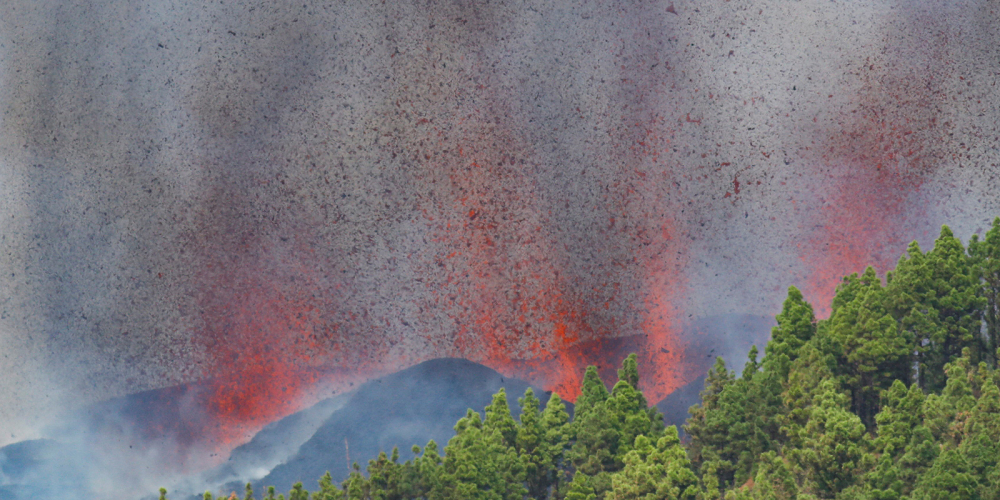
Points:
(276, 201)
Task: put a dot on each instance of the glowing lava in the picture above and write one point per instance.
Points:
(452, 233)
(875, 158)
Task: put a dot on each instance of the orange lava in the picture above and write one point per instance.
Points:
(521, 302)
(504, 267)
(880, 153)
(862, 225)
(258, 348)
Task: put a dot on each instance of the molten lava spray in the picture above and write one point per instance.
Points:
(454, 232)
(878, 150)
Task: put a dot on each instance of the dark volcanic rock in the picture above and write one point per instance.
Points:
(400, 410)
(274, 444)
(675, 406)
(729, 336)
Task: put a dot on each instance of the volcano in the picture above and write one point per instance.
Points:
(215, 215)
(169, 431)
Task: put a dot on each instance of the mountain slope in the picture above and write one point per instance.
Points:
(409, 407)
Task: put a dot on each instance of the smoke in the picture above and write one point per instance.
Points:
(86, 458)
(278, 201)
(139, 443)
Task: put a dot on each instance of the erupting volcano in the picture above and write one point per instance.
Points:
(226, 213)
(483, 252)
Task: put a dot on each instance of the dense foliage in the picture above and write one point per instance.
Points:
(895, 396)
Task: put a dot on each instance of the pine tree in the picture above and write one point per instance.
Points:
(986, 259)
(390, 480)
(593, 430)
(704, 429)
(597, 439)
(556, 432)
(874, 352)
(808, 372)
(885, 481)
(298, 493)
(498, 418)
(580, 488)
(989, 488)
(918, 457)
(634, 415)
(766, 404)
(741, 423)
(479, 463)
(530, 443)
(832, 448)
(662, 471)
(937, 298)
(980, 435)
(428, 472)
(592, 392)
(710, 483)
(356, 487)
(629, 372)
(462, 460)
(774, 480)
(328, 490)
(796, 325)
(902, 411)
(948, 478)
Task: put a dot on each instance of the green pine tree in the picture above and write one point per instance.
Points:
(832, 445)
(948, 478)
(298, 492)
(479, 463)
(592, 392)
(902, 411)
(796, 325)
(593, 430)
(808, 372)
(556, 434)
(580, 488)
(532, 448)
(986, 259)
(919, 455)
(873, 352)
(741, 422)
(774, 479)
(327, 489)
(498, 418)
(659, 470)
(702, 425)
(937, 298)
